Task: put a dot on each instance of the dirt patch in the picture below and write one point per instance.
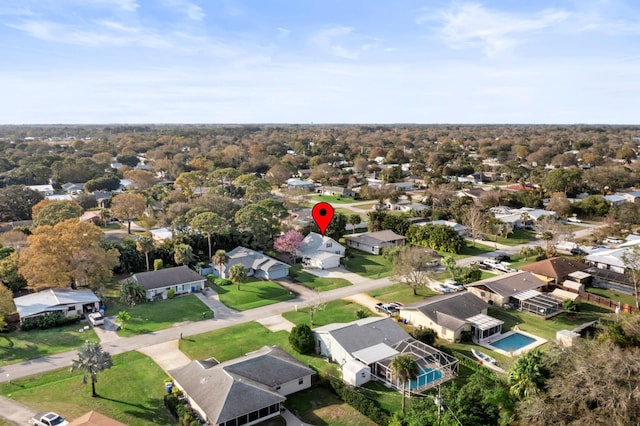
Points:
(342, 414)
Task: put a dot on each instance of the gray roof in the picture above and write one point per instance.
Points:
(508, 284)
(366, 332)
(446, 309)
(167, 277)
(52, 300)
(252, 259)
(376, 239)
(234, 388)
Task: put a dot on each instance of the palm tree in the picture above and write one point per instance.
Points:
(145, 244)
(238, 274)
(406, 369)
(182, 254)
(91, 359)
(123, 317)
(220, 259)
(353, 220)
(527, 375)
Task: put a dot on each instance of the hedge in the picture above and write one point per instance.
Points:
(364, 405)
(48, 320)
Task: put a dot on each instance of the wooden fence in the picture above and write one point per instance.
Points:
(602, 301)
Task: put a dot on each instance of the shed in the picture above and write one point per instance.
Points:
(356, 373)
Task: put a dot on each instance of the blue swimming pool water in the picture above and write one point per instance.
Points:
(426, 376)
(513, 342)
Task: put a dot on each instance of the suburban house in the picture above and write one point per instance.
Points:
(473, 193)
(73, 188)
(374, 242)
(337, 191)
(460, 229)
(520, 218)
(451, 314)
(158, 283)
(520, 290)
(92, 216)
(258, 264)
(406, 206)
(42, 189)
(66, 300)
(365, 348)
(555, 270)
(299, 184)
(242, 391)
(93, 418)
(318, 251)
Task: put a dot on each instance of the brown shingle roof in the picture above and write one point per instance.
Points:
(93, 418)
(557, 268)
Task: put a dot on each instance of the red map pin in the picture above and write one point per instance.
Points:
(322, 214)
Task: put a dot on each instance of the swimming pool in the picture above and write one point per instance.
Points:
(513, 342)
(425, 376)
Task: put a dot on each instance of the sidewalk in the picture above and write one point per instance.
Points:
(14, 412)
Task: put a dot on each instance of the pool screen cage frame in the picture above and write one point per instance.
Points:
(426, 357)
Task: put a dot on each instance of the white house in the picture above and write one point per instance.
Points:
(158, 283)
(322, 252)
(258, 264)
(242, 391)
(365, 348)
(66, 300)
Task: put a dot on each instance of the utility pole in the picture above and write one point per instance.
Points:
(438, 402)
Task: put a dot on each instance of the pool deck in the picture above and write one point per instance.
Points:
(538, 341)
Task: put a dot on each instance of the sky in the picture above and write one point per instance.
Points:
(319, 61)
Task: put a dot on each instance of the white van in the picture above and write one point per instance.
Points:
(96, 319)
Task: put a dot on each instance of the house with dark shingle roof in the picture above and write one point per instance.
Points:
(158, 283)
(258, 264)
(451, 314)
(365, 348)
(374, 242)
(499, 289)
(245, 390)
(555, 270)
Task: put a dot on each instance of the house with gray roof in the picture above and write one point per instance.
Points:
(498, 290)
(242, 391)
(319, 251)
(365, 348)
(258, 264)
(451, 314)
(374, 242)
(66, 300)
(158, 283)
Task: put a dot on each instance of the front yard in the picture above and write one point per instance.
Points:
(20, 346)
(159, 314)
(131, 391)
(334, 311)
(314, 282)
(252, 294)
(401, 293)
(367, 265)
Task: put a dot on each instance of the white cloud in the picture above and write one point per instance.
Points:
(283, 32)
(191, 10)
(330, 39)
(471, 25)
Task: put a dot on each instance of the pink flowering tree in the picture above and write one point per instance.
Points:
(288, 243)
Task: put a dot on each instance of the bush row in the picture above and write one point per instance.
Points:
(364, 405)
(48, 320)
(184, 414)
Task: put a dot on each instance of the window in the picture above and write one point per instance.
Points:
(301, 380)
(72, 308)
(329, 245)
(482, 294)
(363, 374)
(277, 388)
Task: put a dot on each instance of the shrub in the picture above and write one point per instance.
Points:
(361, 313)
(157, 264)
(364, 405)
(569, 306)
(466, 336)
(301, 339)
(48, 320)
(171, 293)
(222, 281)
(425, 335)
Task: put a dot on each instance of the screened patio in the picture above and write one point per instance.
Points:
(484, 326)
(435, 367)
(537, 303)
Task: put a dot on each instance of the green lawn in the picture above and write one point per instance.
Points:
(519, 236)
(400, 293)
(518, 261)
(367, 265)
(252, 294)
(235, 341)
(613, 295)
(315, 282)
(547, 328)
(154, 316)
(388, 398)
(20, 346)
(469, 250)
(334, 311)
(332, 200)
(131, 391)
(320, 407)
(367, 206)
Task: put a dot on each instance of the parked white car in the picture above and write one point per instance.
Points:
(574, 219)
(96, 319)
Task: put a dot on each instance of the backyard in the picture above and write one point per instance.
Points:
(319, 406)
(367, 265)
(20, 346)
(159, 314)
(314, 282)
(252, 294)
(131, 391)
(616, 295)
